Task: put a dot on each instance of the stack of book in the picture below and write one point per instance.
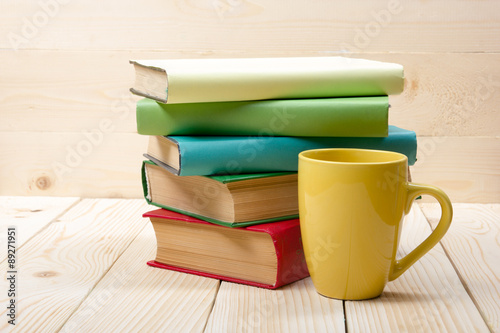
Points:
(222, 158)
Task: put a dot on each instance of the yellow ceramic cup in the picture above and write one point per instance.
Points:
(352, 203)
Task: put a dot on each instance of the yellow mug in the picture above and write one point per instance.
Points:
(352, 203)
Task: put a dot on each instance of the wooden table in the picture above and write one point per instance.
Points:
(81, 267)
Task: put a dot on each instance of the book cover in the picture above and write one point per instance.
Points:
(285, 236)
(340, 117)
(210, 155)
(210, 199)
(242, 79)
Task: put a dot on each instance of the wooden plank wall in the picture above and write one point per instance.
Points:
(68, 122)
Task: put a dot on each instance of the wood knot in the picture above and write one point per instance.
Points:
(46, 274)
(411, 88)
(414, 85)
(43, 183)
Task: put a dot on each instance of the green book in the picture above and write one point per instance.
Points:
(243, 79)
(230, 200)
(318, 117)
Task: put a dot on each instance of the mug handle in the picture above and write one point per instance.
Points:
(414, 190)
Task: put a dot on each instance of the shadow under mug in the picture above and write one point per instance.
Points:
(351, 204)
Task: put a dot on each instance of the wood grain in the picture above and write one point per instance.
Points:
(29, 215)
(65, 78)
(61, 91)
(429, 297)
(159, 299)
(466, 168)
(69, 164)
(60, 265)
(85, 272)
(36, 95)
(254, 25)
(293, 308)
(473, 245)
(447, 94)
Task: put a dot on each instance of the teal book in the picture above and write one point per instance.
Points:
(340, 117)
(210, 155)
(230, 200)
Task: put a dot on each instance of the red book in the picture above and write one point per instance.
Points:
(266, 255)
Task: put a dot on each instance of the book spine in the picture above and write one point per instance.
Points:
(290, 254)
(145, 181)
(232, 155)
(341, 117)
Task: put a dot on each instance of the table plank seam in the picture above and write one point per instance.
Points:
(77, 308)
(459, 274)
(212, 306)
(345, 316)
(449, 303)
(54, 219)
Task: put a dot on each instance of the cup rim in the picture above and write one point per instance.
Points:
(398, 157)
